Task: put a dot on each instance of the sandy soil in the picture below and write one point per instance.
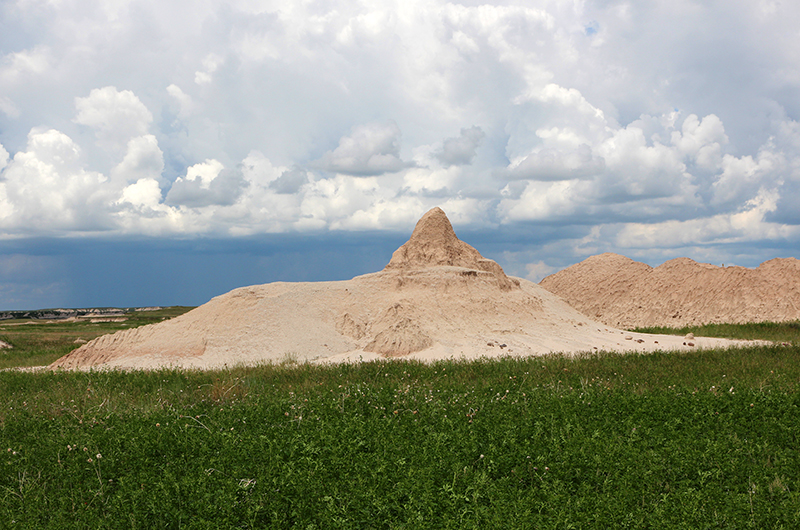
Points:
(438, 298)
(624, 293)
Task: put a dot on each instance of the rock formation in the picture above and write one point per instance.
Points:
(621, 292)
(434, 244)
(437, 298)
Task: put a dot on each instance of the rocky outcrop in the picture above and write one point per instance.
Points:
(624, 293)
(438, 298)
(434, 244)
(63, 314)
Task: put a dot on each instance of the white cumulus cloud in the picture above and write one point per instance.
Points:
(116, 116)
(207, 183)
(560, 120)
(370, 149)
(462, 149)
(44, 189)
(143, 160)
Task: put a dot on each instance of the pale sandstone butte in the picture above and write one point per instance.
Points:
(434, 244)
(624, 293)
(438, 298)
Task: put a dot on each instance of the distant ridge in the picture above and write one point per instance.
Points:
(63, 314)
(624, 293)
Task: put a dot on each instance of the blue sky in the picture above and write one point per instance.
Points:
(166, 152)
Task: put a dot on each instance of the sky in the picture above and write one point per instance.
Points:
(163, 153)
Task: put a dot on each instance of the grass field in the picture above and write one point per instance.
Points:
(773, 331)
(706, 439)
(40, 342)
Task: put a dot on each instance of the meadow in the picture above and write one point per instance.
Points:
(40, 342)
(703, 439)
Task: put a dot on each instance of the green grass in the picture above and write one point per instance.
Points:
(706, 439)
(774, 331)
(40, 342)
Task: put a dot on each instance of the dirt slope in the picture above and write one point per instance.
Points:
(624, 293)
(437, 298)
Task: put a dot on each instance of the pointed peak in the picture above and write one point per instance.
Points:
(434, 244)
(435, 213)
(434, 226)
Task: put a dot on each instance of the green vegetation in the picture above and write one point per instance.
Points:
(40, 342)
(774, 331)
(704, 439)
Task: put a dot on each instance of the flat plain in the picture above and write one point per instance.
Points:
(699, 439)
(38, 342)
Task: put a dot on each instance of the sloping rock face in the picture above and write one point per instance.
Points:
(624, 293)
(438, 298)
(434, 244)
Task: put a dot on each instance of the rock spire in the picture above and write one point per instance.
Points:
(434, 244)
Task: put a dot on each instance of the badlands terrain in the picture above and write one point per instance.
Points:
(681, 292)
(437, 298)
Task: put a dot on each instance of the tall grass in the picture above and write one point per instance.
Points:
(679, 440)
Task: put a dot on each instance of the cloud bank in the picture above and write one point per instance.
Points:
(644, 128)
